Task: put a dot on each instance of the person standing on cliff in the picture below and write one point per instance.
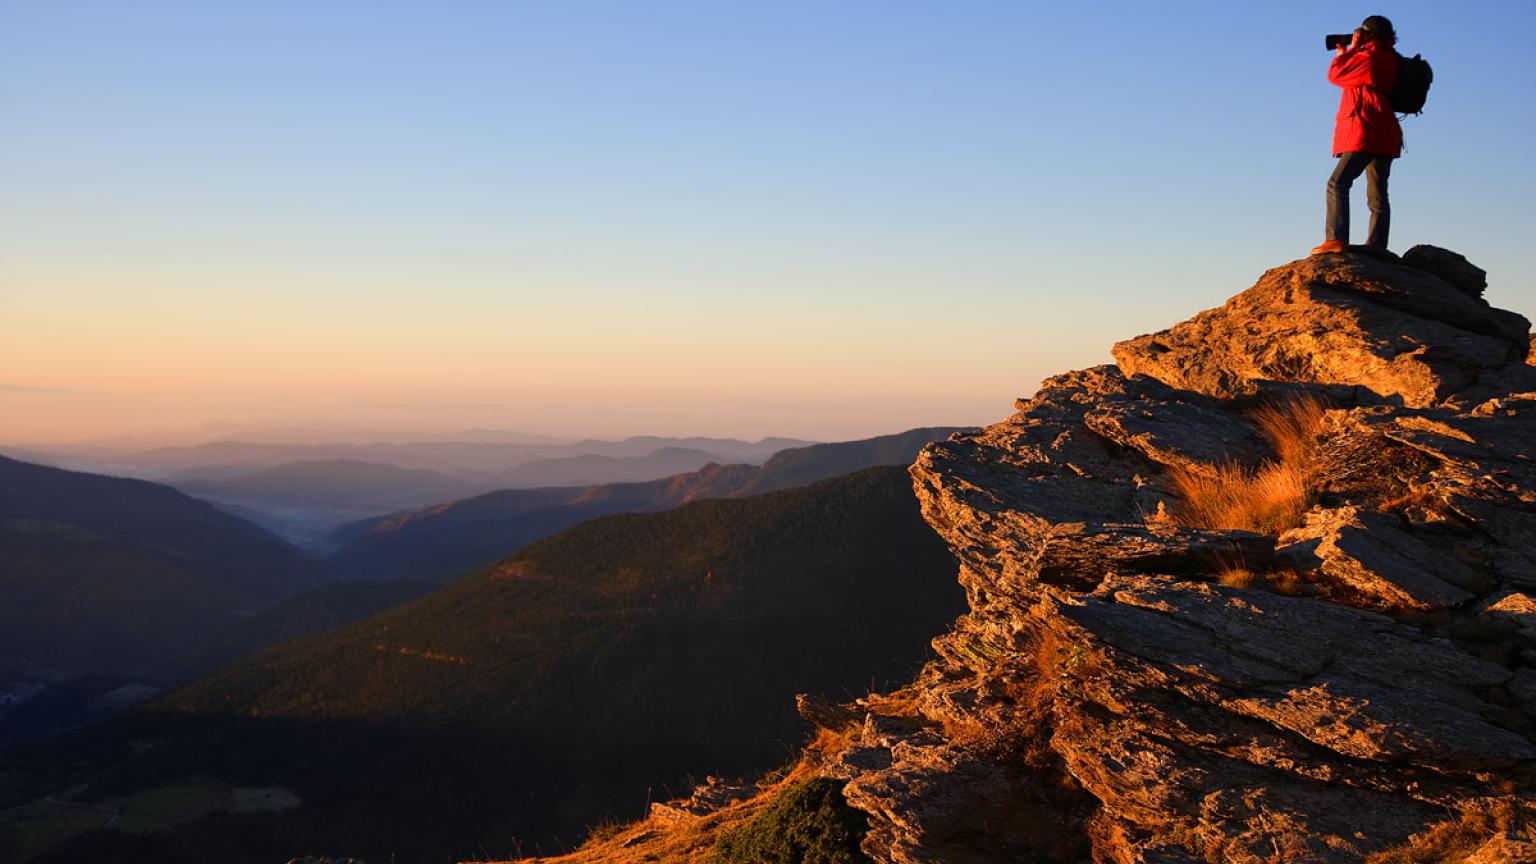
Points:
(1366, 134)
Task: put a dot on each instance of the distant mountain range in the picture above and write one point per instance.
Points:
(471, 461)
(114, 583)
(336, 482)
(521, 705)
(593, 469)
(303, 492)
(459, 536)
(304, 501)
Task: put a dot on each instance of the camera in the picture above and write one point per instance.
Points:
(1335, 40)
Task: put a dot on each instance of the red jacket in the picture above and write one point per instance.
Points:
(1365, 123)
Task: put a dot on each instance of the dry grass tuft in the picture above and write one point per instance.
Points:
(1240, 577)
(901, 702)
(1292, 427)
(1281, 581)
(1269, 498)
(1455, 839)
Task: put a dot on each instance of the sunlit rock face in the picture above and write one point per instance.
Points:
(1397, 330)
(1134, 684)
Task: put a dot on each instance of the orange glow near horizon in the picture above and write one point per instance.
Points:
(121, 348)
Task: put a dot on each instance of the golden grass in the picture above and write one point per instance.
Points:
(1268, 498)
(1239, 577)
(1292, 427)
(901, 702)
(1455, 839)
(1281, 581)
(651, 840)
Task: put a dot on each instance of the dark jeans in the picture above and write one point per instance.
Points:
(1377, 169)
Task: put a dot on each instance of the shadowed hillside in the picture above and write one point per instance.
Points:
(236, 554)
(110, 582)
(576, 680)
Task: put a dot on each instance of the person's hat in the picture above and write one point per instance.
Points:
(1378, 25)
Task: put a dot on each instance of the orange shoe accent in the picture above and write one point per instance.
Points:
(1331, 246)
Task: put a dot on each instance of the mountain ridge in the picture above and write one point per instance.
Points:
(460, 535)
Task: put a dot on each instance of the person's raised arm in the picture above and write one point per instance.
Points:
(1350, 69)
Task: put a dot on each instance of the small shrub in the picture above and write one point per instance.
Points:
(810, 823)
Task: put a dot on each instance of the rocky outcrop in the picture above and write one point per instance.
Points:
(1129, 686)
(1136, 681)
(1409, 331)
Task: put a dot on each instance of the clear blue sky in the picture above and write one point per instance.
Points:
(812, 218)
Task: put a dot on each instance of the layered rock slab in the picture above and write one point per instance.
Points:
(1373, 554)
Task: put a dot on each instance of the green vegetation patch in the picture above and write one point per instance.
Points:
(177, 804)
(34, 828)
(810, 823)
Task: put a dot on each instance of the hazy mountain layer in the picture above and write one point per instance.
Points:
(594, 469)
(469, 459)
(461, 535)
(304, 501)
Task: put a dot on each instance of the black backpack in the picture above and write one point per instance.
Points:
(1412, 86)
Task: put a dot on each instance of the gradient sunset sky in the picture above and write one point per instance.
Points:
(819, 219)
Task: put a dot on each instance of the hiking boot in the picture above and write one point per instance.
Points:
(1330, 246)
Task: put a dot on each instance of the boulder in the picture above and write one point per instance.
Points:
(1450, 266)
(1374, 555)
